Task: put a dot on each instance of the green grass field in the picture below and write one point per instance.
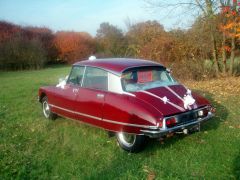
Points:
(32, 147)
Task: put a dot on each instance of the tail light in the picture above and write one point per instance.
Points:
(170, 122)
(160, 123)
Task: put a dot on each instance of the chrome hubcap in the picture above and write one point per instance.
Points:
(127, 139)
(46, 109)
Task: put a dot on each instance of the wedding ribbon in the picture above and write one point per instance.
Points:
(163, 99)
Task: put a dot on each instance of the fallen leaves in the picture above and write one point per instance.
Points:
(220, 88)
(150, 173)
(238, 126)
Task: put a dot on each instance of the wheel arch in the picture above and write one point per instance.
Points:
(41, 96)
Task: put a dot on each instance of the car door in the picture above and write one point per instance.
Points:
(65, 97)
(90, 99)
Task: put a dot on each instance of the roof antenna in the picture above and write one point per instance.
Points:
(91, 58)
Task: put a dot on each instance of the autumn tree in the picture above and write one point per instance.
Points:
(73, 46)
(8, 30)
(230, 28)
(145, 39)
(18, 50)
(205, 8)
(110, 41)
(46, 36)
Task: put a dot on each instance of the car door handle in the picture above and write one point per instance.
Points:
(75, 90)
(100, 96)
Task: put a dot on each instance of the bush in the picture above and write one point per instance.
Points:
(193, 69)
(20, 53)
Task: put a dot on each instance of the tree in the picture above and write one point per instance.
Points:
(231, 29)
(46, 36)
(207, 9)
(74, 46)
(7, 30)
(18, 49)
(19, 53)
(141, 37)
(110, 40)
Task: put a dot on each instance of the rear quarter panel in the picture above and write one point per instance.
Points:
(130, 110)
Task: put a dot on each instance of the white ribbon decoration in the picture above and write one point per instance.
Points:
(165, 100)
(188, 100)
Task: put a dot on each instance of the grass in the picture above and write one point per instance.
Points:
(32, 147)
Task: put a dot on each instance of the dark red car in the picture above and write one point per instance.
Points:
(131, 98)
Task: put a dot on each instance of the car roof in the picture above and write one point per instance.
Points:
(117, 65)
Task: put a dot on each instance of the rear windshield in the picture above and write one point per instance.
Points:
(146, 78)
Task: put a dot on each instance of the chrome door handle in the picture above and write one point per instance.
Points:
(100, 96)
(75, 90)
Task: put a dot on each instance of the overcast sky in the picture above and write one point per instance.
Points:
(84, 15)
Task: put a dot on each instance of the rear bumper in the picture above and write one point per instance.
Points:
(156, 133)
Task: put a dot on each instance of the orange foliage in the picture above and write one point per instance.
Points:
(227, 48)
(232, 24)
(73, 46)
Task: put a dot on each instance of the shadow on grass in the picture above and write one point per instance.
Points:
(220, 116)
(154, 145)
(236, 165)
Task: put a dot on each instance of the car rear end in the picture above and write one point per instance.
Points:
(182, 122)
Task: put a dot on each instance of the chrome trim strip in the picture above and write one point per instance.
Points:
(105, 120)
(127, 93)
(74, 112)
(83, 76)
(127, 124)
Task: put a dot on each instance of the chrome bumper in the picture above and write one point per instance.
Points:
(156, 133)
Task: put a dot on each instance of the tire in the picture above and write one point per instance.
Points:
(131, 142)
(46, 109)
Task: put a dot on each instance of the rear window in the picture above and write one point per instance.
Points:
(146, 78)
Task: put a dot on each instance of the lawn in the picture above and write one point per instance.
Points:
(32, 147)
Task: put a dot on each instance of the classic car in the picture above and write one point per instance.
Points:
(131, 98)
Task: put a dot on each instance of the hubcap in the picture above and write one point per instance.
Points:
(46, 109)
(127, 139)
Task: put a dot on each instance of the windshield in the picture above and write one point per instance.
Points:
(146, 78)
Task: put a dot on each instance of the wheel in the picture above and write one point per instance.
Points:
(131, 142)
(46, 109)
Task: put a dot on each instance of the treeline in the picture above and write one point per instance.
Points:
(190, 53)
(34, 47)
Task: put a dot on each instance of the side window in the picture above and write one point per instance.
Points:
(114, 83)
(76, 75)
(164, 76)
(95, 78)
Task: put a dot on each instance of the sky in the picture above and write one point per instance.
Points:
(85, 15)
